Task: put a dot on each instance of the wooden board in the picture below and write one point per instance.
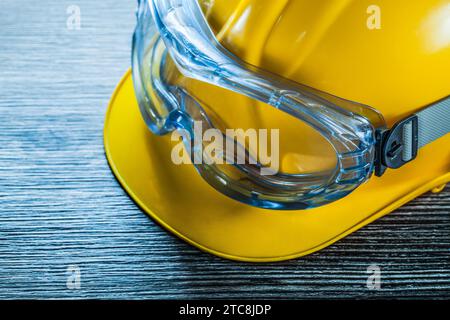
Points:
(61, 206)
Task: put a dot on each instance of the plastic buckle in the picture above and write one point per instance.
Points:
(390, 145)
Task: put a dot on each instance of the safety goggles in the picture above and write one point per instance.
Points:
(347, 141)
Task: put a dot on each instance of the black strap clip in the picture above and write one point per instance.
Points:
(390, 146)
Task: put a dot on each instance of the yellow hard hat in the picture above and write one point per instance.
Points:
(309, 69)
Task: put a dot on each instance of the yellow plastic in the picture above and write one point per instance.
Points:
(397, 69)
(439, 189)
(177, 197)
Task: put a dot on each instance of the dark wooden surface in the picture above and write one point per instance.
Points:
(60, 205)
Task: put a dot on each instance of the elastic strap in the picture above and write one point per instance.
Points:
(433, 123)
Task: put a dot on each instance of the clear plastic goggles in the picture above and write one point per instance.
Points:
(329, 147)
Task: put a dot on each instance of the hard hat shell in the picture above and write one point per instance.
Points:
(397, 64)
(393, 56)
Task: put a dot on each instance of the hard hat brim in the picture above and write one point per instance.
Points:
(182, 202)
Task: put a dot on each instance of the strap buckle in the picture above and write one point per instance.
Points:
(397, 146)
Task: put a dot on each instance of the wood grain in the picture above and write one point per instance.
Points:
(60, 205)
